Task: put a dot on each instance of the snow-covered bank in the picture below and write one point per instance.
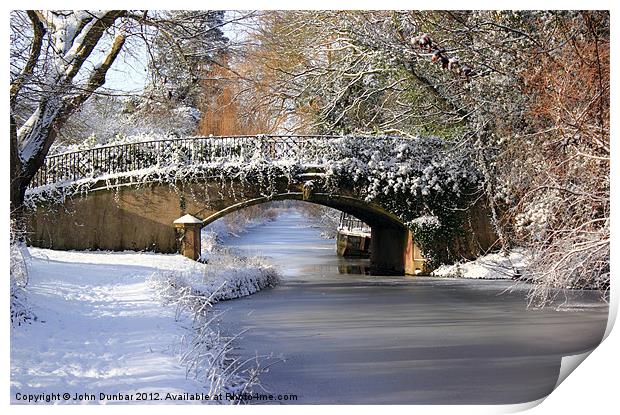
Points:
(491, 266)
(102, 327)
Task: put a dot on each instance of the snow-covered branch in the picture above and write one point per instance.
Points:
(35, 51)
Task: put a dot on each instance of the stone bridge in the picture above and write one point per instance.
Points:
(128, 196)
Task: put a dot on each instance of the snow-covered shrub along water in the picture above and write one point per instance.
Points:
(228, 277)
(224, 277)
(206, 352)
(410, 178)
(511, 265)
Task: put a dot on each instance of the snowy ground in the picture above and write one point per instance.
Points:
(100, 327)
(491, 266)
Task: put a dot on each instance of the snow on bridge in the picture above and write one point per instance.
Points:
(310, 150)
(127, 196)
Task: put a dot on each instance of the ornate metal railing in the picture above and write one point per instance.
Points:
(99, 161)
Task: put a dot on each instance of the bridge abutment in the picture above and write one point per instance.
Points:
(387, 249)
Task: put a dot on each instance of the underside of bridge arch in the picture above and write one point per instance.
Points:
(372, 214)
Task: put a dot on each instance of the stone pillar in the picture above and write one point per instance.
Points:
(387, 250)
(410, 248)
(188, 234)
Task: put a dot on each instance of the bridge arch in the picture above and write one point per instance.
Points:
(392, 245)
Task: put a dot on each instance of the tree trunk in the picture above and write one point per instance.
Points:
(490, 175)
(19, 183)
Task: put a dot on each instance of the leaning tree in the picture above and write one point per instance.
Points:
(61, 58)
(45, 86)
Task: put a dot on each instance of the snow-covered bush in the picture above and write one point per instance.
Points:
(207, 353)
(20, 310)
(576, 259)
(509, 265)
(225, 277)
(229, 276)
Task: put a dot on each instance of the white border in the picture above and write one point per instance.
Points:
(591, 389)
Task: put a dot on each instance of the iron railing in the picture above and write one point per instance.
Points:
(100, 161)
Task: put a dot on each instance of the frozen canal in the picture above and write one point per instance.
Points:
(358, 339)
